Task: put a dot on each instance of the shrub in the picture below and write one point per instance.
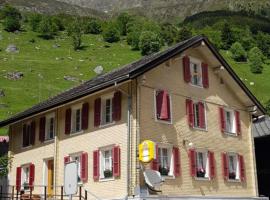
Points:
(34, 21)
(9, 11)
(111, 33)
(122, 20)
(263, 43)
(267, 107)
(149, 43)
(238, 52)
(184, 34)
(47, 28)
(133, 39)
(168, 33)
(12, 24)
(255, 57)
(227, 36)
(75, 30)
(58, 22)
(93, 27)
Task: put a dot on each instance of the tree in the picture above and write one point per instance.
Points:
(93, 27)
(238, 52)
(34, 20)
(133, 39)
(75, 30)
(12, 18)
(149, 43)
(111, 33)
(267, 107)
(12, 24)
(4, 163)
(184, 34)
(227, 36)
(122, 20)
(255, 57)
(263, 43)
(47, 28)
(168, 33)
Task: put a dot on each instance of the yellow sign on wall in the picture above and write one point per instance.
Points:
(147, 151)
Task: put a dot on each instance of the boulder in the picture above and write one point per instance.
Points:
(2, 93)
(12, 49)
(98, 69)
(14, 75)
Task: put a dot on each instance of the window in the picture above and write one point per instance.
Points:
(233, 166)
(196, 72)
(196, 114)
(106, 109)
(26, 135)
(106, 164)
(229, 121)
(162, 106)
(76, 119)
(202, 164)
(77, 158)
(165, 161)
(50, 126)
(25, 177)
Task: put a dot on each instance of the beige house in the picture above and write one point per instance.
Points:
(186, 99)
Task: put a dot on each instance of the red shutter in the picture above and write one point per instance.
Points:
(222, 119)
(96, 165)
(238, 122)
(186, 69)
(205, 75)
(212, 164)
(97, 110)
(242, 168)
(201, 115)
(159, 97)
(85, 116)
(32, 132)
(155, 163)
(165, 106)
(225, 168)
(176, 157)
(31, 176)
(18, 178)
(190, 114)
(66, 159)
(117, 99)
(84, 167)
(192, 159)
(116, 161)
(24, 135)
(42, 125)
(68, 121)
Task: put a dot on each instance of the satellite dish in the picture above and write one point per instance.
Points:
(153, 179)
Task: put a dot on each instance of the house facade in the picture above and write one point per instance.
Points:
(186, 99)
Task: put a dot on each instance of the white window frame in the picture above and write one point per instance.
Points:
(28, 123)
(232, 131)
(205, 117)
(170, 159)
(237, 166)
(73, 119)
(207, 164)
(23, 176)
(73, 157)
(102, 163)
(102, 111)
(155, 109)
(47, 126)
(199, 64)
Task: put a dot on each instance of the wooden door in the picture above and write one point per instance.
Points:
(50, 177)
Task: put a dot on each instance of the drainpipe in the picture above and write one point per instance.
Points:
(55, 153)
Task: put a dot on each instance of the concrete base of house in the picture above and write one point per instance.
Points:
(162, 197)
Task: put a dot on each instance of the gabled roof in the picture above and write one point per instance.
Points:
(124, 73)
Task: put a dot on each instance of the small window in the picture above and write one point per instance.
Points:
(230, 121)
(25, 177)
(77, 158)
(165, 161)
(196, 115)
(233, 166)
(50, 127)
(162, 106)
(106, 167)
(202, 164)
(106, 109)
(26, 135)
(196, 73)
(76, 119)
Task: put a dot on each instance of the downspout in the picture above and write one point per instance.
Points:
(254, 158)
(55, 153)
(137, 131)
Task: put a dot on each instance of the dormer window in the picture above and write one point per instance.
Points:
(28, 134)
(50, 126)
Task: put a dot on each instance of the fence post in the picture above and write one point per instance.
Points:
(45, 193)
(12, 193)
(62, 192)
(30, 193)
(85, 195)
(80, 193)
(17, 194)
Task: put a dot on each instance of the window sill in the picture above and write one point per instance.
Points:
(202, 179)
(106, 179)
(76, 133)
(28, 147)
(232, 134)
(48, 141)
(168, 177)
(234, 181)
(163, 121)
(197, 86)
(200, 129)
(108, 124)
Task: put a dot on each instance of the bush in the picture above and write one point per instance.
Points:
(9, 11)
(111, 33)
(184, 34)
(12, 24)
(267, 107)
(227, 36)
(34, 21)
(93, 27)
(122, 20)
(149, 43)
(133, 39)
(58, 22)
(263, 43)
(168, 33)
(238, 52)
(75, 30)
(256, 57)
(47, 28)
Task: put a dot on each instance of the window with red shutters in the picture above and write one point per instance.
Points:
(116, 106)
(212, 165)
(186, 69)
(31, 176)
(238, 122)
(163, 105)
(176, 158)
(85, 116)
(18, 178)
(242, 168)
(205, 79)
(42, 129)
(192, 162)
(198, 109)
(97, 112)
(84, 167)
(225, 168)
(189, 111)
(155, 162)
(222, 119)
(68, 121)
(116, 161)
(96, 165)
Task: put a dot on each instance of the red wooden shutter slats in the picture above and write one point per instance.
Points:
(32, 132)
(117, 105)
(66, 159)
(212, 164)
(84, 167)
(205, 79)
(165, 106)
(238, 122)
(225, 167)
(116, 161)
(242, 168)
(96, 165)
(190, 114)
(222, 119)
(192, 160)
(201, 115)
(159, 96)
(42, 125)
(186, 69)
(97, 112)
(68, 121)
(85, 116)
(18, 178)
(31, 176)
(155, 163)
(176, 157)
